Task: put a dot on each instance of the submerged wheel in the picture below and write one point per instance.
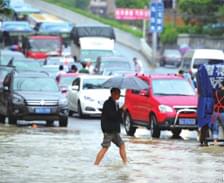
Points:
(12, 120)
(128, 125)
(63, 121)
(2, 119)
(50, 123)
(176, 132)
(80, 113)
(154, 128)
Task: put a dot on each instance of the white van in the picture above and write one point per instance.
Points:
(193, 58)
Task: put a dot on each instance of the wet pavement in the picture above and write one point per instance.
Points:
(53, 154)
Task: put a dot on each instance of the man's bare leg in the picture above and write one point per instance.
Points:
(100, 155)
(123, 154)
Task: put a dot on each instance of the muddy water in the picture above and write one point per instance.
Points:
(66, 155)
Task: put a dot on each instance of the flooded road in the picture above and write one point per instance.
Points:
(52, 154)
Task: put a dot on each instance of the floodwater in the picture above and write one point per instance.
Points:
(52, 154)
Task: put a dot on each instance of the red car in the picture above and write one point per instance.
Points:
(169, 103)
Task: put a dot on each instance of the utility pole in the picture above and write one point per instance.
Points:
(111, 6)
(174, 11)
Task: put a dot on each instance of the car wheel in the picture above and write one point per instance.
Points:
(50, 123)
(12, 120)
(63, 121)
(128, 125)
(70, 113)
(178, 65)
(154, 128)
(2, 119)
(80, 113)
(176, 132)
(162, 63)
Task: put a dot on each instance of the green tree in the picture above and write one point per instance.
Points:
(132, 3)
(82, 4)
(198, 11)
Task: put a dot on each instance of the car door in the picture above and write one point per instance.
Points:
(141, 103)
(5, 75)
(74, 91)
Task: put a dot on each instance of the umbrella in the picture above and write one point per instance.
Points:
(131, 82)
(205, 100)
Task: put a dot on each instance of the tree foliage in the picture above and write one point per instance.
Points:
(132, 3)
(199, 11)
(82, 4)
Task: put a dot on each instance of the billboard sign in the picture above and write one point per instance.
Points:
(131, 14)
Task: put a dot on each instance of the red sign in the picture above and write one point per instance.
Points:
(131, 14)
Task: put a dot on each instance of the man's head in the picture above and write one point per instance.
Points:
(180, 72)
(115, 93)
(61, 67)
(74, 68)
(135, 60)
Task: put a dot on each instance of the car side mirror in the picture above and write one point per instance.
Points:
(75, 87)
(144, 93)
(5, 88)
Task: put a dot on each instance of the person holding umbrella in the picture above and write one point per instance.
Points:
(205, 103)
(110, 125)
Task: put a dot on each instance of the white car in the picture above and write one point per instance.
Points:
(86, 96)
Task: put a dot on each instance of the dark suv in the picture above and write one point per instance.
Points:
(31, 96)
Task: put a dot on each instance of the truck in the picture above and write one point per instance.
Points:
(91, 41)
(42, 46)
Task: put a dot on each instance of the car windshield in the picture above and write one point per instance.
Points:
(172, 52)
(91, 55)
(44, 45)
(66, 81)
(172, 87)
(198, 62)
(93, 83)
(116, 64)
(27, 65)
(35, 84)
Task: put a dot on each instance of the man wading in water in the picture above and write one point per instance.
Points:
(110, 124)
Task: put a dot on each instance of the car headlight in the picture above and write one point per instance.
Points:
(89, 98)
(17, 100)
(63, 102)
(165, 108)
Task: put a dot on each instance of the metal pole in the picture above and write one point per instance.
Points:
(154, 47)
(174, 11)
(144, 29)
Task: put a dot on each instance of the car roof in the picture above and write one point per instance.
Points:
(31, 74)
(114, 58)
(87, 76)
(16, 26)
(209, 54)
(10, 52)
(70, 75)
(44, 37)
(161, 76)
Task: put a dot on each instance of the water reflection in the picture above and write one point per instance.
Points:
(55, 154)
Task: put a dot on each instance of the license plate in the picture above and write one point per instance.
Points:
(42, 110)
(187, 121)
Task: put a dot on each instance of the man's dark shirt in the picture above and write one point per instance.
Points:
(111, 117)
